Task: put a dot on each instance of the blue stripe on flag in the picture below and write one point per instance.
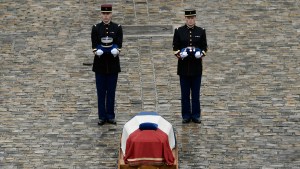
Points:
(148, 113)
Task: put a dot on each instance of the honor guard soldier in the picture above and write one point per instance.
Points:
(190, 46)
(107, 38)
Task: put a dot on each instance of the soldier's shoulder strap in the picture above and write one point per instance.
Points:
(95, 25)
(177, 28)
(180, 27)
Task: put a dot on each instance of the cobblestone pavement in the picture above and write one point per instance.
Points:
(250, 93)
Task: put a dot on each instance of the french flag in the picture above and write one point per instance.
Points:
(148, 139)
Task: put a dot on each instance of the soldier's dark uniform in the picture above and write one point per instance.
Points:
(107, 63)
(106, 66)
(189, 68)
(189, 37)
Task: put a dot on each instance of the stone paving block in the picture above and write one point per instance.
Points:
(147, 30)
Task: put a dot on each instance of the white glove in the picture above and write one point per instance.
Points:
(114, 52)
(99, 52)
(183, 55)
(198, 55)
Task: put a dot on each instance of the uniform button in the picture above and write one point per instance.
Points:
(190, 44)
(106, 32)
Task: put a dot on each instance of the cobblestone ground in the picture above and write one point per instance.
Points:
(250, 93)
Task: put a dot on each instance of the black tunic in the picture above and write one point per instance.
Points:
(189, 37)
(106, 63)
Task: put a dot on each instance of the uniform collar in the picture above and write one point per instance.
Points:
(106, 24)
(189, 27)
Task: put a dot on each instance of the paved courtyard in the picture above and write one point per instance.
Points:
(250, 94)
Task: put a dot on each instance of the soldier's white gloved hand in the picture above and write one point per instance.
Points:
(99, 52)
(198, 55)
(183, 55)
(115, 52)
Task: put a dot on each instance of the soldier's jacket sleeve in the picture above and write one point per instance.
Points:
(203, 41)
(94, 37)
(119, 37)
(176, 41)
